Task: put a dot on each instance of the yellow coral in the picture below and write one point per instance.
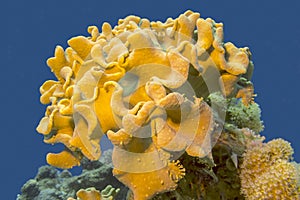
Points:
(142, 83)
(146, 185)
(87, 194)
(266, 172)
(64, 159)
(108, 193)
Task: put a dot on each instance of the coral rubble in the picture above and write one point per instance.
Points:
(177, 103)
(50, 183)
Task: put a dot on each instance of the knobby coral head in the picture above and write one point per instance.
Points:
(267, 172)
(145, 86)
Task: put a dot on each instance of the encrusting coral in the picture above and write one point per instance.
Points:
(245, 116)
(159, 92)
(51, 183)
(267, 173)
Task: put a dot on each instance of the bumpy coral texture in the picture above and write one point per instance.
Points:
(267, 173)
(244, 116)
(126, 82)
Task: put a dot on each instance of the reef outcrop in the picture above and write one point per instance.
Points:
(174, 99)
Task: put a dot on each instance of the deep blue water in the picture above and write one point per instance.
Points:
(34, 28)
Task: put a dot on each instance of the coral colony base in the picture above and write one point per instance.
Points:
(177, 103)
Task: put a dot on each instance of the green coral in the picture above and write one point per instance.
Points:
(218, 101)
(109, 192)
(244, 116)
(238, 114)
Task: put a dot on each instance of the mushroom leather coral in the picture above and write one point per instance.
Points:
(129, 82)
(146, 185)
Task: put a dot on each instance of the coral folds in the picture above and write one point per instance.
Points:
(157, 91)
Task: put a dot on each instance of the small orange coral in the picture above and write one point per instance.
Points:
(266, 172)
(64, 159)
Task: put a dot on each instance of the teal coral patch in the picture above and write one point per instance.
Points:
(244, 116)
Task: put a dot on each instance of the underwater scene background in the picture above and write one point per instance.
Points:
(33, 29)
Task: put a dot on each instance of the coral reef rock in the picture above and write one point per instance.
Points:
(50, 183)
(177, 103)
